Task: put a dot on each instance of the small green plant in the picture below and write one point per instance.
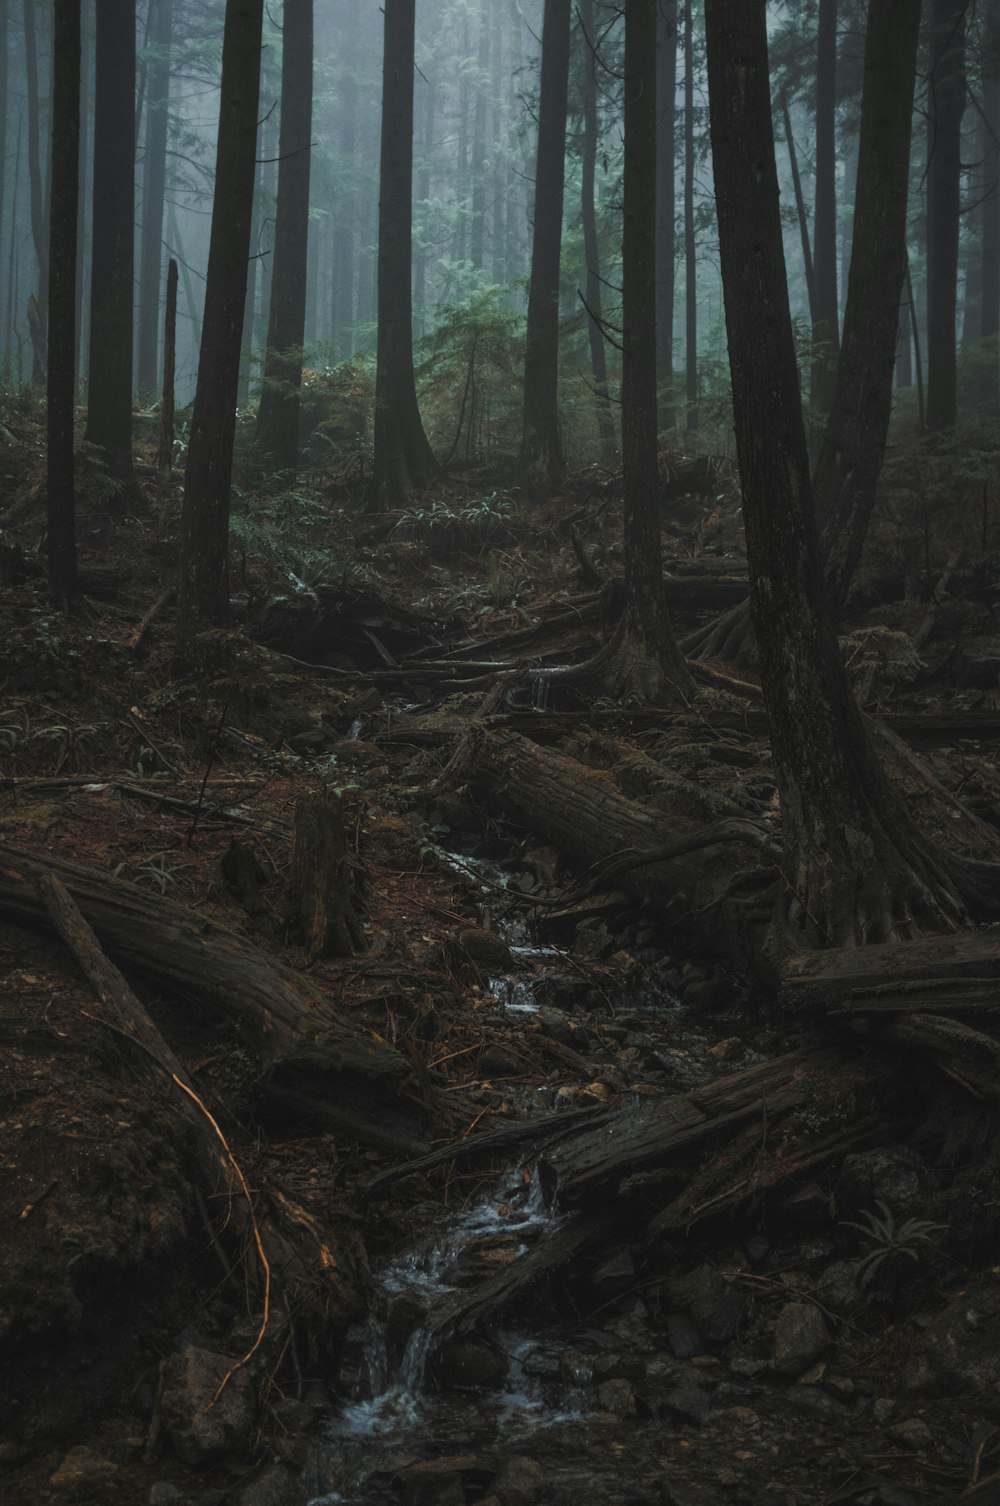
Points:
(887, 1236)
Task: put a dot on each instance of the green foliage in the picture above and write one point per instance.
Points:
(282, 542)
(471, 524)
(912, 1237)
(469, 375)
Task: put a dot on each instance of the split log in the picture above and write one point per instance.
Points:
(939, 973)
(311, 1064)
(323, 897)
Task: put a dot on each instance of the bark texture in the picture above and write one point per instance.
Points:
(946, 106)
(62, 305)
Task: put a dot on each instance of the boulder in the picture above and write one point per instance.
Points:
(800, 1337)
(199, 1427)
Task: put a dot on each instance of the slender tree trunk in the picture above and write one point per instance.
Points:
(83, 180)
(666, 212)
(477, 235)
(588, 212)
(154, 181)
(347, 215)
(203, 596)
(420, 210)
(800, 208)
(62, 300)
(109, 396)
(403, 460)
(854, 436)
(541, 459)
(10, 327)
(826, 323)
(278, 415)
(690, 247)
(254, 280)
(4, 98)
(39, 217)
(944, 171)
(498, 174)
(165, 452)
(855, 867)
(989, 308)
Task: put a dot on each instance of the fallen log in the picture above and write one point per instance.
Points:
(938, 973)
(310, 1064)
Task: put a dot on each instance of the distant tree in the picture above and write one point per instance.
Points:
(588, 215)
(666, 233)
(403, 460)
(61, 529)
(690, 238)
(855, 868)
(39, 217)
(203, 596)
(278, 414)
(989, 276)
(946, 104)
(109, 386)
(541, 459)
(154, 183)
(826, 318)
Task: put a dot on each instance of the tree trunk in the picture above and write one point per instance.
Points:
(989, 309)
(853, 443)
(403, 462)
(588, 215)
(62, 304)
(109, 384)
(478, 230)
(690, 246)
(800, 208)
(203, 595)
(83, 191)
(346, 213)
(154, 184)
(825, 332)
(541, 460)
(855, 866)
(944, 173)
(322, 888)
(278, 416)
(39, 215)
(165, 451)
(666, 212)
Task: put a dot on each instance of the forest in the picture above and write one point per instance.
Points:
(499, 784)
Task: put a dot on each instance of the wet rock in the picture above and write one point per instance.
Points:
(617, 1397)
(276, 1485)
(592, 940)
(198, 1430)
(714, 1304)
(164, 1493)
(838, 1289)
(960, 1348)
(560, 990)
(688, 1402)
(708, 994)
(483, 949)
(683, 1336)
(615, 1366)
(497, 1062)
(470, 1365)
(891, 1175)
(82, 1469)
(614, 1275)
(443, 1481)
(520, 1481)
(912, 1432)
(800, 1337)
(808, 1207)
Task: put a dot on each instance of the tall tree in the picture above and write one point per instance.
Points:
(944, 175)
(825, 337)
(690, 241)
(109, 391)
(62, 301)
(541, 459)
(666, 234)
(39, 217)
(989, 306)
(154, 184)
(203, 596)
(856, 868)
(588, 215)
(403, 460)
(278, 415)
(477, 236)
(850, 457)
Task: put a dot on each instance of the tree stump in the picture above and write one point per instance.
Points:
(323, 899)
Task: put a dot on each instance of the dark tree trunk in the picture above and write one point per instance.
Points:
(39, 217)
(346, 214)
(165, 451)
(541, 459)
(423, 196)
(989, 308)
(588, 215)
(404, 462)
(855, 867)
(853, 443)
(826, 322)
(498, 263)
(278, 415)
(254, 280)
(62, 301)
(4, 93)
(203, 596)
(650, 664)
(800, 208)
(83, 189)
(690, 246)
(944, 172)
(109, 390)
(154, 184)
(666, 213)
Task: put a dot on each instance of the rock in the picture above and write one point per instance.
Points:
(688, 1402)
(163, 1492)
(199, 1431)
(683, 1336)
(837, 1288)
(520, 1481)
(800, 1337)
(470, 1365)
(617, 1366)
(614, 1275)
(497, 1062)
(724, 1051)
(276, 1485)
(715, 1305)
(912, 1433)
(889, 1175)
(618, 1397)
(484, 950)
(82, 1469)
(808, 1207)
(708, 994)
(883, 1408)
(960, 1348)
(442, 1481)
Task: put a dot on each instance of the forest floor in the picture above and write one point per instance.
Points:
(822, 1327)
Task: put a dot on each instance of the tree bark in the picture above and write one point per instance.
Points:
(825, 332)
(278, 415)
(204, 576)
(541, 459)
(800, 208)
(666, 212)
(322, 885)
(989, 308)
(588, 216)
(154, 183)
(944, 174)
(690, 246)
(109, 384)
(39, 214)
(165, 451)
(403, 462)
(61, 517)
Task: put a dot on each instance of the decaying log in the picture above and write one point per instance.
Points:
(323, 899)
(311, 1064)
(941, 974)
